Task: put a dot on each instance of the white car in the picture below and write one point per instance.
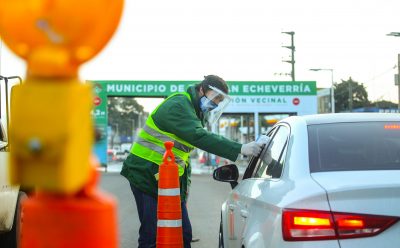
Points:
(326, 181)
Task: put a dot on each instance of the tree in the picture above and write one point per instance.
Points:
(350, 94)
(123, 115)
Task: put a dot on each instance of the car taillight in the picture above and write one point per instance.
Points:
(298, 224)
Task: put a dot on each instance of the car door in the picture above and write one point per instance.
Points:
(244, 198)
(264, 194)
(236, 209)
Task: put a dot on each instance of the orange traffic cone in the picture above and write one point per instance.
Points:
(169, 212)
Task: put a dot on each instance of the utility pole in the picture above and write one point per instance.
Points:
(398, 80)
(397, 34)
(291, 47)
(331, 90)
(350, 95)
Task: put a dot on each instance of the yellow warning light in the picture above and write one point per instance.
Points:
(51, 136)
(55, 37)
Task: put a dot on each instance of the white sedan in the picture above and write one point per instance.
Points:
(326, 181)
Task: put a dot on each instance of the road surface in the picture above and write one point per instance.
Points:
(204, 205)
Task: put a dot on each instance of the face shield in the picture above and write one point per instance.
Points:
(214, 104)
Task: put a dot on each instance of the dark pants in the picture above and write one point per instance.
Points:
(147, 210)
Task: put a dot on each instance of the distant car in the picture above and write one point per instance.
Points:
(111, 155)
(121, 155)
(326, 181)
(208, 159)
(126, 147)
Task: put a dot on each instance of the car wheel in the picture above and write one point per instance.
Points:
(11, 239)
(221, 236)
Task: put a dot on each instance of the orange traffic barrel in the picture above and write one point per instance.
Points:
(169, 212)
(87, 219)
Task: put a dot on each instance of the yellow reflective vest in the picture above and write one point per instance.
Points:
(149, 143)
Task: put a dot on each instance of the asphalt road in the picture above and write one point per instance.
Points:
(204, 206)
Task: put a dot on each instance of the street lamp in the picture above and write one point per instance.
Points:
(332, 90)
(397, 34)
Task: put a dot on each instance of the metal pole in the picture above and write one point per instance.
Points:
(332, 91)
(6, 90)
(397, 34)
(291, 47)
(293, 61)
(350, 96)
(398, 80)
(332, 94)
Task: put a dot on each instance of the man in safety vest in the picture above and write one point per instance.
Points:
(180, 118)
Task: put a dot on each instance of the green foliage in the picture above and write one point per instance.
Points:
(384, 104)
(345, 89)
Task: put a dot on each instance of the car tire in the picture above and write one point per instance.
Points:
(221, 236)
(11, 239)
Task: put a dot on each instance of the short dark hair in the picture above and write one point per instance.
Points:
(215, 81)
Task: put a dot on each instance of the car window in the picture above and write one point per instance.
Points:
(272, 167)
(253, 163)
(354, 146)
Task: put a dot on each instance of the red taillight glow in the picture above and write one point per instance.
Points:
(300, 225)
(311, 221)
(314, 225)
(350, 223)
(392, 126)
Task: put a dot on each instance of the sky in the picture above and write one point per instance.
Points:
(242, 41)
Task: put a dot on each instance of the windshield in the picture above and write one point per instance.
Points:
(354, 146)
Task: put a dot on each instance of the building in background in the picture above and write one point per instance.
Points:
(324, 100)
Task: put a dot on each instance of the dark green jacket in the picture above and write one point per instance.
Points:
(183, 118)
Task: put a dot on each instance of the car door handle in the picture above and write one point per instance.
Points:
(244, 213)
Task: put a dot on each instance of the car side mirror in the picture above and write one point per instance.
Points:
(227, 173)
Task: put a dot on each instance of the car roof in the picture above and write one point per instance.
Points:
(346, 117)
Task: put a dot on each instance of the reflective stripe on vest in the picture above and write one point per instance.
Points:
(149, 144)
(159, 150)
(157, 141)
(164, 138)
